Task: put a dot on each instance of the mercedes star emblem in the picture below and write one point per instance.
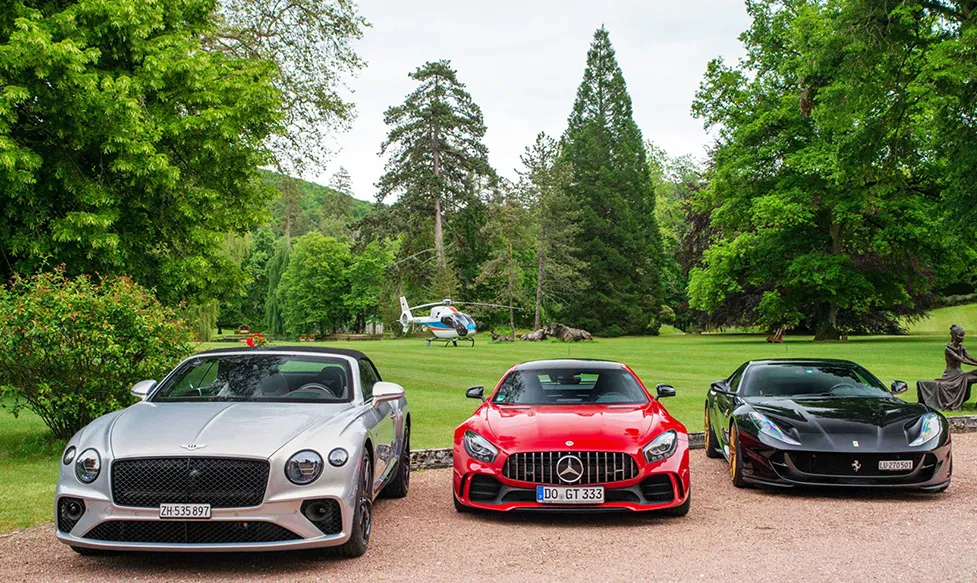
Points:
(569, 468)
(856, 466)
(192, 446)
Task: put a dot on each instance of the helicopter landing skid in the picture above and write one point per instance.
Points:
(453, 342)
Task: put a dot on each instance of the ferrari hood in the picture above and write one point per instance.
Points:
(843, 423)
(215, 429)
(550, 427)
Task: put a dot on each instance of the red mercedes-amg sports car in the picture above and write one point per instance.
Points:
(571, 435)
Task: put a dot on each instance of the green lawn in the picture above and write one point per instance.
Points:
(436, 379)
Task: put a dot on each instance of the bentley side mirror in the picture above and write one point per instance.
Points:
(721, 387)
(899, 387)
(384, 391)
(142, 389)
(476, 392)
(665, 391)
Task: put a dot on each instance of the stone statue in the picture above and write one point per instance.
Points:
(953, 389)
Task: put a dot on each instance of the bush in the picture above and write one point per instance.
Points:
(70, 349)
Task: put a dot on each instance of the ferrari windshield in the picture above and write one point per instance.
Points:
(258, 377)
(569, 386)
(811, 379)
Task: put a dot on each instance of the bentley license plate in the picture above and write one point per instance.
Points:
(564, 495)
(896, 465)
(184, 511)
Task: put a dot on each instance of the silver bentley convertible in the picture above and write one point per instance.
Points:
(240, 449)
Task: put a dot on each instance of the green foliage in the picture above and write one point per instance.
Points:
(366, 275)
(70, 349)
(306, 206)
(312, 288)
(824, 192)
(124, 147)
(274, 270)
(619, 240)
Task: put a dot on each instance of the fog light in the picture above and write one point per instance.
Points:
(317, 511)
(338, 457)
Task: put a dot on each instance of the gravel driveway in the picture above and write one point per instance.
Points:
(746, 534)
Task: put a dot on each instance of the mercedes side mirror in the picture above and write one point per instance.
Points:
(384, 391)
(142, 389)
(721, 387)
(665, 391)
(899, 387)
(476, 392)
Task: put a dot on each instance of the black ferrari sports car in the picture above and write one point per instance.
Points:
(824, 423)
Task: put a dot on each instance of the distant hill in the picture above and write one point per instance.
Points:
(319, 207)
(939, 321)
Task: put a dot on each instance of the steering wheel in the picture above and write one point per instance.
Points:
(313, 387)
(841, 385)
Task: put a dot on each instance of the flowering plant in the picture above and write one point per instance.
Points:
(256, 340)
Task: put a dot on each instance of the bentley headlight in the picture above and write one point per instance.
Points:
(87, 466)
(338, 457)
(69, 456)
(929, 427)
(770, 429)
(479, 448)
(303, 468)
(662, 447)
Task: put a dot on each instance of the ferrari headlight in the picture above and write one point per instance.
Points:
(69, 456)
(87, 466)
(303, 468)
(662, 447)
(929, 428)
(479, 448)
(770, 429)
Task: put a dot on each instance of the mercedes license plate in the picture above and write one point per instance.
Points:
(564, 495)
(896, 465)
(184, 511)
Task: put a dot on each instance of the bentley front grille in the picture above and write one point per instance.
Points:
(570, 467)
(222, 483)
(189, 532)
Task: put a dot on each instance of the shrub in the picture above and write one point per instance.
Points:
(70, 349)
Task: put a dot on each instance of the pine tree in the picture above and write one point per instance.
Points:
(619, 240)
(342, 182)
(434, 144)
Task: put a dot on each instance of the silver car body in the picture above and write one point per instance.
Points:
(246, 431)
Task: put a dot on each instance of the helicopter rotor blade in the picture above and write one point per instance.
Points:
(484, 304)
(431, 305)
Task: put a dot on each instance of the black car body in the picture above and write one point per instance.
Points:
(824, 423)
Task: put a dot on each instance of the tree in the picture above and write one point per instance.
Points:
(822, 195)
(310, 43)
(274, 270)
(543, 181)
(312, 288)
(342, 182)
(124, 147)
(434, 146)
(619, 241)
(366, 275)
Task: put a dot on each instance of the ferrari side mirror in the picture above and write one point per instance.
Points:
(476, 392)
(721, 387)
(899, 387)
(665, 391)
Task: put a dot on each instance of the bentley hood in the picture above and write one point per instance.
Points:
(550, 427)
(255, 430)
(843, 423)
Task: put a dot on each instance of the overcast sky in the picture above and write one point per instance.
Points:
(522, 62)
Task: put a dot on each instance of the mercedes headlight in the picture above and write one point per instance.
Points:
(770, 429)
(303, 468)
(479, 448)
(87, 466)
(929, 427)
(662, 447)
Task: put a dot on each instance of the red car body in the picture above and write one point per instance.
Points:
(544, 433)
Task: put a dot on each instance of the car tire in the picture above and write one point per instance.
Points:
(712, 444)
(359, 536)
(459, 507)
(682, 509)
(735, 458)
(401, 482)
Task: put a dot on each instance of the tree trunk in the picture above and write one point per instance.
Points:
(539, 280)
(826, 327)
(438, 232)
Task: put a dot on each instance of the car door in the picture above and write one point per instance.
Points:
(722, 409)
(384, 432)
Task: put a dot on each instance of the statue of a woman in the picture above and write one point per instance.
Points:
(953, 389)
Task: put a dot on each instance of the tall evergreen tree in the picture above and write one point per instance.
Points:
(434, 145)
(619, 240)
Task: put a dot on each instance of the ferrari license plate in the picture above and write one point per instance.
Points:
(184, 511)
(564, 495)
(896, 465)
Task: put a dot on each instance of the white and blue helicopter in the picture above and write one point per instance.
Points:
(445, 321)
